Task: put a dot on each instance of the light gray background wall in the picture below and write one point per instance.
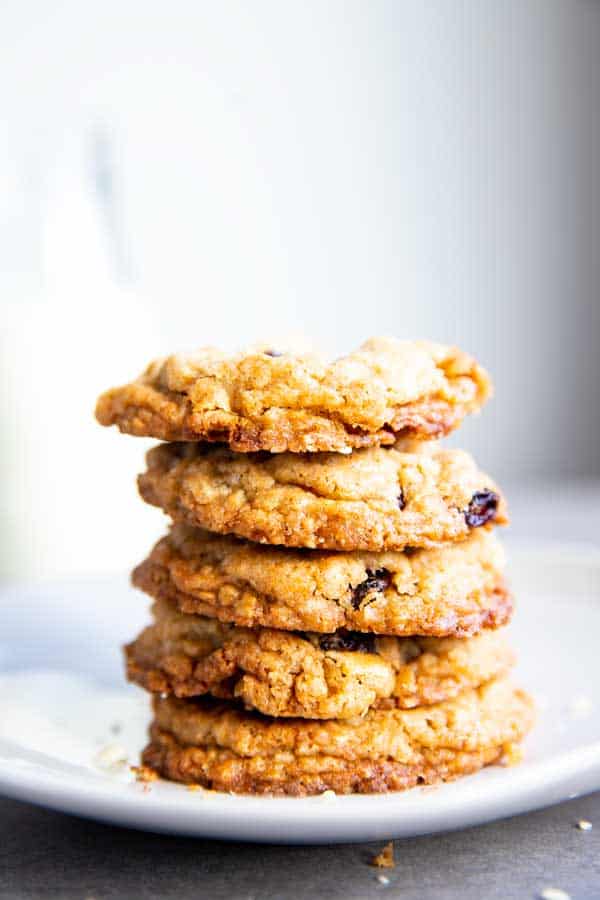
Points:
(220, 172)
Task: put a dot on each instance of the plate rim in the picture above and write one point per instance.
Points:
(529, 790)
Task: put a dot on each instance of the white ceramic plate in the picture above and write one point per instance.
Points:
(65, 713)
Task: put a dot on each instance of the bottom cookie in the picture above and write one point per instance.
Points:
(223, 747)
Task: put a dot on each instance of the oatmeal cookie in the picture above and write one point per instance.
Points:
(452, 590)
(311, 675)
(216, 745)
(375, 499)
(267, 400)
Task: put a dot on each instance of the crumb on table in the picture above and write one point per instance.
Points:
(385, 859)
(552, 893)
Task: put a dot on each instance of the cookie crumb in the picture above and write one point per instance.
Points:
(385, 859)
(144, 774)
(552, 893)
(111, 757)
(512, 754)
(383, 879)
(328, 795)
(584, 825)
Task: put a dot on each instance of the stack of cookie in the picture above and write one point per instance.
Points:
(329, 599)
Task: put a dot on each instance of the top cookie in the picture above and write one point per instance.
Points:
(267, 400)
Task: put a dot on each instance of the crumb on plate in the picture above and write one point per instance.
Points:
(144, 774)
(512, 754)
(111, 757)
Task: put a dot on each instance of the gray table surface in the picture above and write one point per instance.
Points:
(47, 854)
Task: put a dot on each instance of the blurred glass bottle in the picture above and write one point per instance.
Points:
(72, 323)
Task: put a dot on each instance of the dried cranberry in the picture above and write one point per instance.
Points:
(348, 640)
(377, 580)
(401, 500)
(482, 508)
